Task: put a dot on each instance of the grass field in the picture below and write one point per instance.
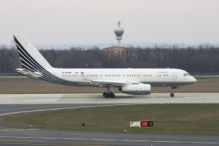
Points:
(197, 119)
(16, 85)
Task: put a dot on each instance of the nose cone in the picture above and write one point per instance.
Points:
(194, 80)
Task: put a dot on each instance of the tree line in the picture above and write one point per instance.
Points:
(203, 58)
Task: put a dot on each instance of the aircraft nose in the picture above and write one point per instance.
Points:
(194, 80)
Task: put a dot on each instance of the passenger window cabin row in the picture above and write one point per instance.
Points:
(160, 75)
(129, 75)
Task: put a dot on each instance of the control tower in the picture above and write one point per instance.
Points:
(119, 32)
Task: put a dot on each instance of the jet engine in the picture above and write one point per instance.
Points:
(139, 89)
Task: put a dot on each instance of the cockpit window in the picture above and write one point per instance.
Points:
(186, 74)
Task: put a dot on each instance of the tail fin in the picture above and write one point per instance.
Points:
(30, 57)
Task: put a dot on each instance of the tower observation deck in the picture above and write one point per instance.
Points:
(119, 32)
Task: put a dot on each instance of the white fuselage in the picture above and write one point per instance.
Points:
(155, 77)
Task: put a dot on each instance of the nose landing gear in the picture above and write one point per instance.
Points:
(172, 92)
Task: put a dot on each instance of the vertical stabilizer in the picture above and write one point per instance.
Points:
(30, 57)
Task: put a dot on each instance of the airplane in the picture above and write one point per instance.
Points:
(134, 81)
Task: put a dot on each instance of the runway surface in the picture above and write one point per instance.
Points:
(97, 98)
(19, 135)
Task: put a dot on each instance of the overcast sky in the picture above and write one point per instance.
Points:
(93, 21)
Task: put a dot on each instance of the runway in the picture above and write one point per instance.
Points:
(97, 98)
(19, 135)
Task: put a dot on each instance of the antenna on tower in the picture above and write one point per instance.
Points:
(119, 32)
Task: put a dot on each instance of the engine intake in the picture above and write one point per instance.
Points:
(140, 89)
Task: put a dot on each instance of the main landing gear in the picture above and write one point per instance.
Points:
(172, 92)
(109, 94)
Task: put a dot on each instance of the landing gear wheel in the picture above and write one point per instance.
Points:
(171, 95)
(172, 92)
(106, 95)
(112, 95)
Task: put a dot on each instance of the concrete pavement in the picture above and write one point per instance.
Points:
(97, 98)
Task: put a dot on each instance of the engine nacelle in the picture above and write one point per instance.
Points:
(139, 89)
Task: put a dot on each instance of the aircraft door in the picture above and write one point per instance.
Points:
(174, 76)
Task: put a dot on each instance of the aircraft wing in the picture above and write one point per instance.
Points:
(107, 82)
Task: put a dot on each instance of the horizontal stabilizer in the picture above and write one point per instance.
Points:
(29, 73)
